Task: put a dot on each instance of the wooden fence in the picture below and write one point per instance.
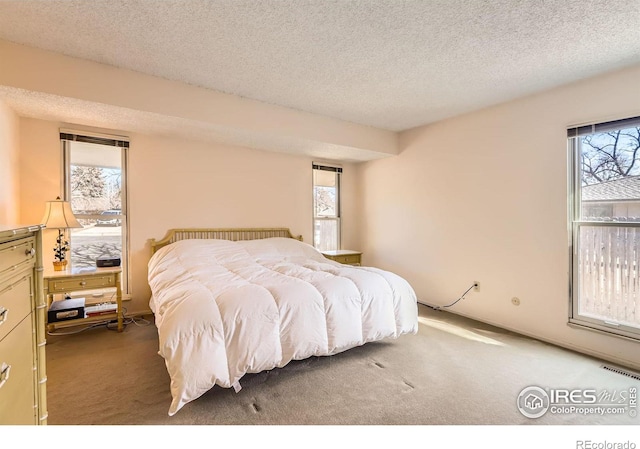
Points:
(608, 273)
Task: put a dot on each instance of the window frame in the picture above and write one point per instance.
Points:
(576, 223)
(121, 142)
(338, 218)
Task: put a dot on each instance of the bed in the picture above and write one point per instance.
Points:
(228, 302)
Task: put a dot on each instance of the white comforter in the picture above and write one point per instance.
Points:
(224, 309)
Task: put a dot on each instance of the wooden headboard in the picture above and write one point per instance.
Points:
(174, 235)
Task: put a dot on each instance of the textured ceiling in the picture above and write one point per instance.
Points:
(390, 64)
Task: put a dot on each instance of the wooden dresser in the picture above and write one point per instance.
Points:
(23, 393)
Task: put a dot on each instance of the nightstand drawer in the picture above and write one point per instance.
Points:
(17, 255)
(348, 259)
(68, 285)
(15, 304)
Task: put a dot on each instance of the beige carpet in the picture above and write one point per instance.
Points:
(454, 371)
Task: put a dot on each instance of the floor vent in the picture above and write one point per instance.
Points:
(621, 371)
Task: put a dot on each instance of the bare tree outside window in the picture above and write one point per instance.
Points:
(610, 156)
(325, 201)
(87, 181)
(87, 186)
(113, 188)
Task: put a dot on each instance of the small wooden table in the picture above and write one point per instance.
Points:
(61, 282)
(344, 256)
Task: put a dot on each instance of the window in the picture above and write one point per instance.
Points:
(604, 214)
(326, 207)
(95, 185)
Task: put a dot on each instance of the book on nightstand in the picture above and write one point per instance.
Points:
(101, 309)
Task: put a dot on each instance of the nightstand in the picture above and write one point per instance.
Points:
(344, 256)
(64, 282)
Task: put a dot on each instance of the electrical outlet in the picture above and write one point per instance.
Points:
(476, 286)
(515, 301)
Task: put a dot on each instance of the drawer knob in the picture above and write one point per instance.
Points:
(4, 313)
(30, 252)
(83, 283)
(4, 374)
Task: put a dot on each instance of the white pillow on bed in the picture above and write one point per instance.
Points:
(281, 248)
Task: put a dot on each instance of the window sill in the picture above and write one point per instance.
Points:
(612, 332)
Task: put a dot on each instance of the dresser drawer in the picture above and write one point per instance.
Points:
(69, 285)
(15, 303)
(17, 390)
(17, 255)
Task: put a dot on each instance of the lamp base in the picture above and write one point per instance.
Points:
(59, 265)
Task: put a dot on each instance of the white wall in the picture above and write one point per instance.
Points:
(180, 183)
(9, 145)
(483, 197)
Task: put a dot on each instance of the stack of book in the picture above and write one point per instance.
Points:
(100, 309)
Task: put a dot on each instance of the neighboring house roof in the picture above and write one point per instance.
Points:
(624, 189)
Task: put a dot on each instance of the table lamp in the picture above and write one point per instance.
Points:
(58, 215)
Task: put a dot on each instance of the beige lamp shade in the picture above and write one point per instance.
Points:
(58, 215)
